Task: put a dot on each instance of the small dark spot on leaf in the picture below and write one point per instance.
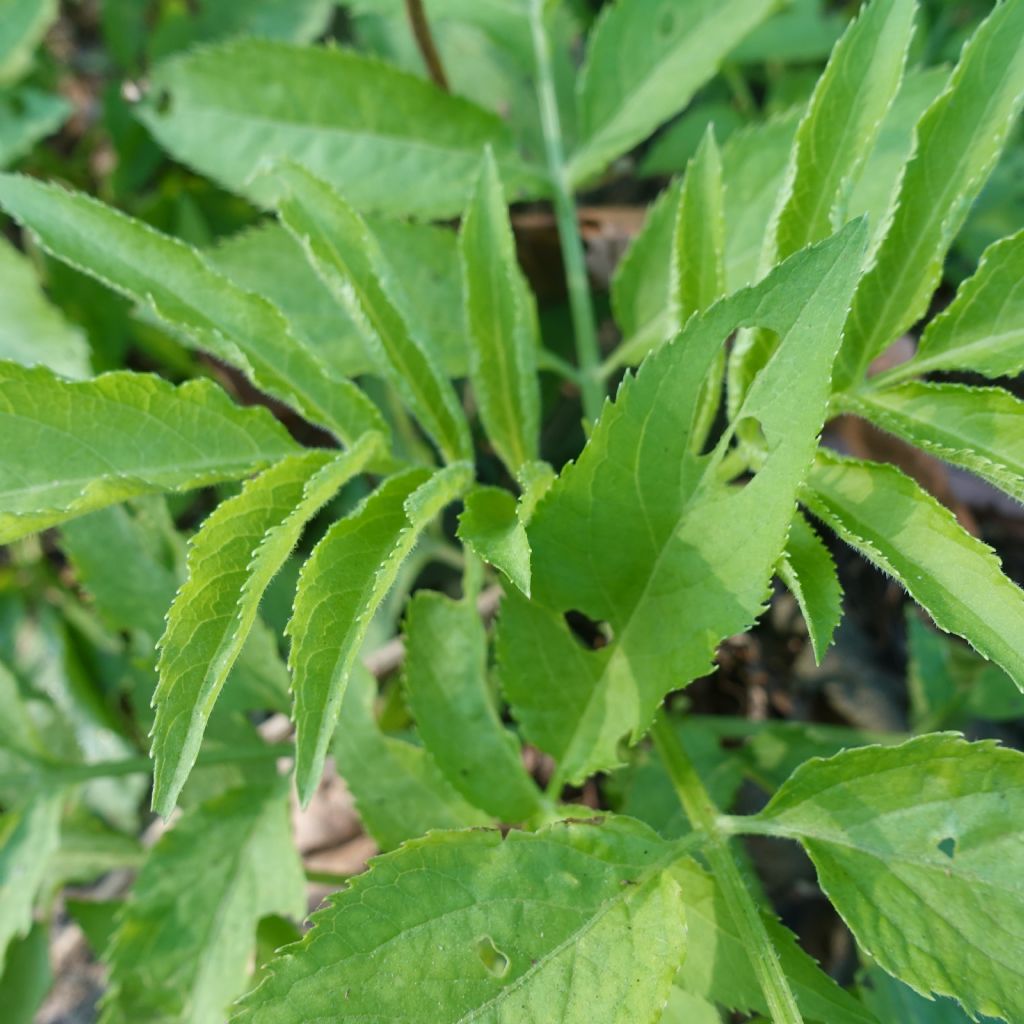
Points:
(948, 846)
(667, 22)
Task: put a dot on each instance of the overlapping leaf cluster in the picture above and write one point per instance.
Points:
(755, 302)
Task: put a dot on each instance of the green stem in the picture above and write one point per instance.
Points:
(704, 815)
(327, 878)
(588, 354)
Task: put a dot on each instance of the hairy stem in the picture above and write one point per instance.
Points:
(425, 42)
(704, 815)
(584, 324)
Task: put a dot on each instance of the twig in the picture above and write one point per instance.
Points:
(425, 41)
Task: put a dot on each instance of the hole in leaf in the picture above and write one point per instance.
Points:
(491, 957)
(948, 846)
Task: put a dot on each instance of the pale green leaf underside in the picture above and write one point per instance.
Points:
(352, 265)
(342, 583)
(184, 940)
(171, 279)
(690, 572)
(920, 848)
(450, 698)
(231, 561)
(958, 142)
(980, 429)
(23, 23)
(501, 324)
(29, 836)
(32, 331)
(575, 923)
(645, 60)
(26, 116)
(907, 533)
(75, 446)
(809, 573)
(491, 527)
(399, 791)
(391, 142)
(982, 329)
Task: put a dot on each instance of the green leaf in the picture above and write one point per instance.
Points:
(644, 62)
(907, 533)
(981, 429)
(204, 21)
(575, 923)
(182, 948)
(842, 122)
(809, 573)
(490, 526)
(33, 332)
(697, 276)
(172, 280)
(754, 165)
(802, 31)
(718, 967)
(29, 836)
(391, 142)
(640, 284)
(342, 583)
(921, 841)
(400, 793)
(340, 247)
(501, 324)
(231, 561)
(693, 573)
(892, 1000)
(958, 142)
(982, 329)
(26, 116)
(449, 695)
(877, 183)
(23, 23)
(27, 976)
(682, 1008)
(427, 281)
(71, 447)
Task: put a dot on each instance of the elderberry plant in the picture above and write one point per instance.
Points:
(753, 306)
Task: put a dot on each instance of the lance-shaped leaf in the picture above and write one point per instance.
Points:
(74, 446)
(501, 324)
(390, 141)
(575, 923)
(184, 940)
(908, 534)
(982, 329)
(717, 964)
(981, 429)
(399, 791)
(26, 116)
(342, 584)
(645, 60)
(172, 280)
(958, 142)
(842, 121)
(425, 260)
(29, 837)
(920, 847)
(691, 572)
(491, 527)
(809, 573)
(23, 23)
(450, 698)
(32, 331)
(350, 262)
(231, 561)
(890, 999)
